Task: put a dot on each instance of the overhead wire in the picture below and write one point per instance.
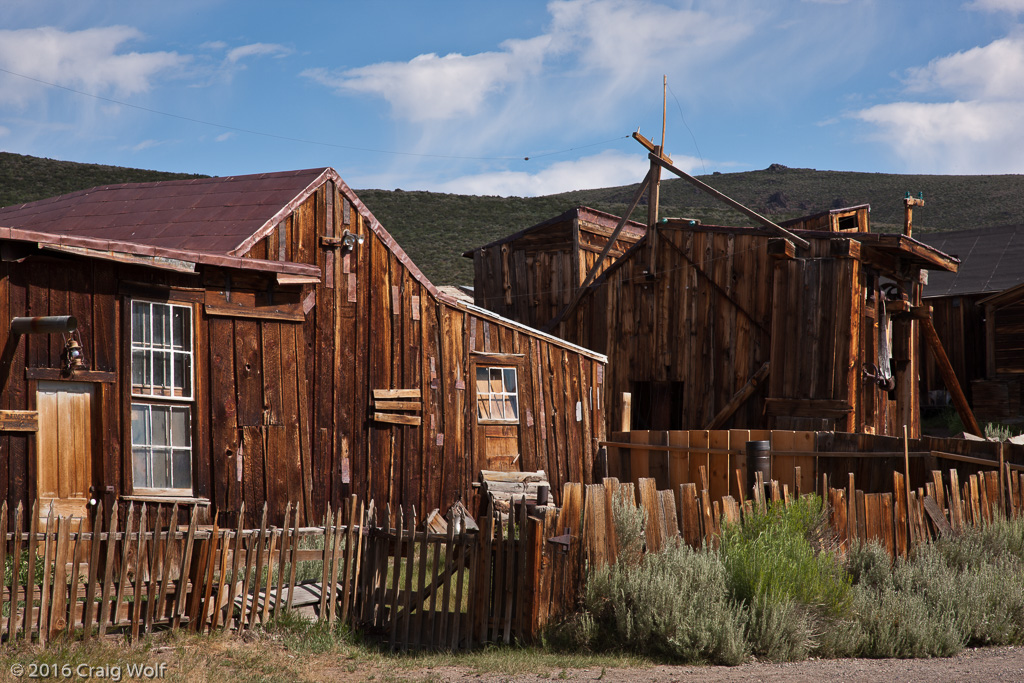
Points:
(692, 136)
(287, 138)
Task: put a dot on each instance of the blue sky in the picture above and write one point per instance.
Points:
(451, 96)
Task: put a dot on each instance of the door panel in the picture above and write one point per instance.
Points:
(64, 448)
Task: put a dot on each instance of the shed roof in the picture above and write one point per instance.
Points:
(992, 259)
(632, 231)
(215, 215)
(177, 223)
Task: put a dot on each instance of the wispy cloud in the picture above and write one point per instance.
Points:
(431, 87)
(257, 50)
(980, 131)
(607, 169)
(1011, 6)
(92, 60)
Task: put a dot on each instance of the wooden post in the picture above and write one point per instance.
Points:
(627, 411)
(908, 213)
(948, 375)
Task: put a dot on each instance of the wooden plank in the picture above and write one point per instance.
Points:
(718, 464)
(390, 394)
(409, 572)
(651, 504)
(236, 558)
(937, 517)
(58, 601)
(900, 515)
(396, 583)
(410, 420)
(956, 513)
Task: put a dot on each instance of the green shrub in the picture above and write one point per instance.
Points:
(672, 604)
(785, 554)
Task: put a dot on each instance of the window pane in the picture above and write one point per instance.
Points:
(140, 322)
(181, 430)
(182, 328)
(483, 410)
(140, 424)
(161, 325)
(161, 435)
(496, 408)
(481, 381)
(510, 380)
(161, 371)
(182, 375)
(140, 467)
(181, 473)
(161, 468)
(512, 408)
(495, 380)
(140, 371)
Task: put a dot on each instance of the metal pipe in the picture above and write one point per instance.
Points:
(46, 324)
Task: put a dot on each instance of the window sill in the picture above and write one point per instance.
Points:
(166, 498)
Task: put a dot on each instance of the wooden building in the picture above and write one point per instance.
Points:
(710, 326)
(999, 396)
(263, 339)
(546, 262)
(992, 262)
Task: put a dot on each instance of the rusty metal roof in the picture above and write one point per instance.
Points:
(213, 215)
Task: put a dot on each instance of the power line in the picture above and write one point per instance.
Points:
(692, 137)
(299, 140)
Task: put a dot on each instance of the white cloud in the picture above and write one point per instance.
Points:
(147, 144)
(430, 87)
(224, 136)
(608, 169)
(626, 40)
(952, 137)
(257, 50)
(610, 47)
(4, 131)
(993, 71)
(980, 131)
(1012, 6)
(89, 60)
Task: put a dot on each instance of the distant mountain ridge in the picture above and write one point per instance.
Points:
(435, 228)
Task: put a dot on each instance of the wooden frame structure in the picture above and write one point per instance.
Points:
(323, 362)
(714, 326)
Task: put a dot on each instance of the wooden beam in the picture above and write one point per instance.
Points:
(379, 394)
(781, 248)
(949, 377)
(808, 407)
(739, 398)
(604, 252)
(778, 229)
(413, 420)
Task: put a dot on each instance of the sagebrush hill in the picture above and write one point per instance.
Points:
(435, 228)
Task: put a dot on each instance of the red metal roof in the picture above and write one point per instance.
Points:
(212, 215)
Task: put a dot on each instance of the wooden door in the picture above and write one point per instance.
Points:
(497, 417)
(64, 448)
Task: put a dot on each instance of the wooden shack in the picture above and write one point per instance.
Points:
(530, 276)
(999, 396)
(263, 339)
(715, 327)
(992, 262)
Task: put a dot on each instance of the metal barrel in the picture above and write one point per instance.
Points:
(758, 460)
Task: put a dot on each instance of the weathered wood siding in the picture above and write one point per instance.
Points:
(702, 321)
(719, 306)
(530, 279)
(960, 324)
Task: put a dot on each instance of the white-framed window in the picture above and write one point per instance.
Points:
(161, 350)
(162, 382)
(497, 395)
(162, 446)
